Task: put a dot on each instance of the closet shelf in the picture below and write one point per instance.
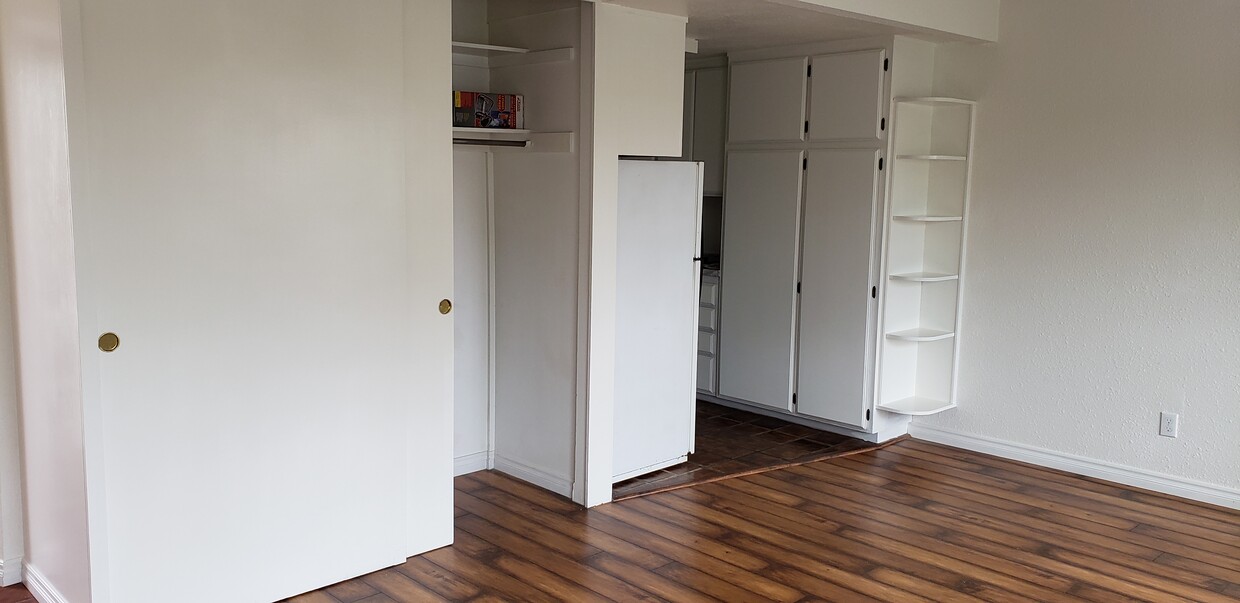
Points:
(920, 335)
(926, 218)
(933, 101)
(925, 277)
(917, 406)
(516, 140)
(933, 157)
(485, 50)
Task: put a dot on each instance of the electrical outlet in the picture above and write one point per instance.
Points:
(1169, 425)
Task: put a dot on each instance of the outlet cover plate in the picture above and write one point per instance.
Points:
(1169, 425)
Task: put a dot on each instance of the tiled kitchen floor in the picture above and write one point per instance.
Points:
(734, 442)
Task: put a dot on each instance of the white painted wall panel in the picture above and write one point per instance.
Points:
(471, 301)
(38, 192)
(1103, 234)
(536, 259)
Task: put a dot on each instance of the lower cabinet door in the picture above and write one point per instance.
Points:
(838, 251)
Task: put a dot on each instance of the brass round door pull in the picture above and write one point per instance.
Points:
(109, 342)
(445, 306)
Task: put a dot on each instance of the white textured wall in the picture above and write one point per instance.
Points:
(1103, 275)
(12, 534)
(535, 226)
(37, 167)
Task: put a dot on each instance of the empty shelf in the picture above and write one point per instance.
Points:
(917, 406)
(490, 131)
(933, 101)
(933, 157)
(485, 49)
(925, 277)
(921, 335)
(923, 218)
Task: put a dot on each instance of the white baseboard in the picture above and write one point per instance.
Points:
(10, 571)
(469, 463)
(538, 477)
(40, 588)
(1130, 476)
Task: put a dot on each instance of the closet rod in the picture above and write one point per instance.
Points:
(491, 143)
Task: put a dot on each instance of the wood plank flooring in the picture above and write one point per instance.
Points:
(911, 522)
(16, 594)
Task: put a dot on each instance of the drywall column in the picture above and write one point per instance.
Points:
(37, 189)
(632, 95)
(12, 534)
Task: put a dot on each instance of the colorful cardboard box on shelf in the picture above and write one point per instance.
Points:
(487, 110)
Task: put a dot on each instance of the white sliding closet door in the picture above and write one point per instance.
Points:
(841, 194)
(759, 276)
(244, 226)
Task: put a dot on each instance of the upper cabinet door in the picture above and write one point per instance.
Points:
(767, 101)
(709, 126)
(846, 96)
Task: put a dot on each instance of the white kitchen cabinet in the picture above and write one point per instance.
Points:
(766, 101)
(758, 314)
(847, 100)
(837, 300)
(869, 225)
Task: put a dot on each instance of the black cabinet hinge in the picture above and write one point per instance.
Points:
(794, 399)
(807, 126)
(874, 292)
(867, 414)
(880, 164)
(805, 163)
(882, 124)
(809, 71)
(798, 287)
(886, 64)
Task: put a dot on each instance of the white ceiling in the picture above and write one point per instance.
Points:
(730, 25)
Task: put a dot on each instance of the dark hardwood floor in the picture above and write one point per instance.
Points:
(15, 594)
(911, 522)
(730, 442)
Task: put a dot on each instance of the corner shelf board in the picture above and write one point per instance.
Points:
(919, 335)
(933, 157)
(485, 50)
(926, 218)
(917, 406)
(925, 277)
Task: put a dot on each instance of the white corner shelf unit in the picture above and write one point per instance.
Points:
(927, 206)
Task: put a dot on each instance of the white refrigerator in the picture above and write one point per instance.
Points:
(658, 283)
